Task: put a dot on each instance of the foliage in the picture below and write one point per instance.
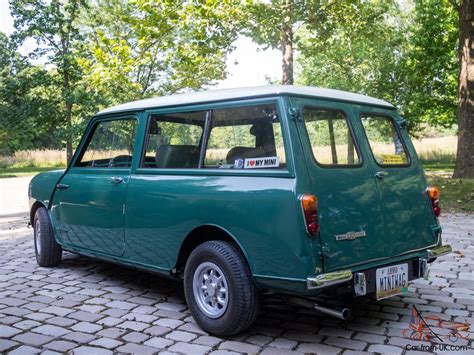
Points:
(116, 51)
(358, 59)
(142, 48)
(404, 55)
(28, 102)
(102, 53)
(431, 63)
(456, 194)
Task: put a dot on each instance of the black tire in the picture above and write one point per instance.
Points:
(243, 300)
(48, 252)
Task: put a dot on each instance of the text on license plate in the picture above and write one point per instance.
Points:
(391, 281)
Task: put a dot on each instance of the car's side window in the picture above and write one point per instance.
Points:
(173, 141)
(245, 137)
(385, 141)
(331, 138)
(111, 145)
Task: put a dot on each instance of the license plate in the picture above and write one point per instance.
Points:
(391, 281)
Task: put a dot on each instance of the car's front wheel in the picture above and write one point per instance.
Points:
(48, 251)
(219, 289)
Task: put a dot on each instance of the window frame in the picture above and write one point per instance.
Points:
(277, 100)
(353, 135)
(94, 123)
(144, 146)
(397, 129)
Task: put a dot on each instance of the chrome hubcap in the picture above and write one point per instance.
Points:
(210, 290)
(38, 237)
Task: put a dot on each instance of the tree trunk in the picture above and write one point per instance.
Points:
(69, 133)
(68, 114)
(465, 152)
(287, 44)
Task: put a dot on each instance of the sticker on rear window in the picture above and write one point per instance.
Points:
(389, 159)
(256, 163)
(238, 163)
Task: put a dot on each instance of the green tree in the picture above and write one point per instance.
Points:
(404, 55)
(142, 48)
(29, 101)
(430, 64)
(278, 23)
(54, 26)
(362, 58)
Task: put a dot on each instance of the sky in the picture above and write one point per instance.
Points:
(247, 65)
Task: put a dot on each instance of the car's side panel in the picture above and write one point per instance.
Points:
(42, 187)
(259, 209)
(262, 213)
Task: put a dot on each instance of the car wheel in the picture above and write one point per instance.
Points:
(219, 289)
(48, 251)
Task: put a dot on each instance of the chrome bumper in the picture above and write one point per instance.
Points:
(343, 276)
(439, 251)
(329, 279)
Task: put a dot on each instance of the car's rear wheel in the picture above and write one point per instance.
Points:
(48, 251)
(219, 289)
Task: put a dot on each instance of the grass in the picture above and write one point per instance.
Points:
(23, 171)
(457, 195)
(433, 167)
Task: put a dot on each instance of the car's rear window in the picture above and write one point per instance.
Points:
(331, 138)
(385, 140)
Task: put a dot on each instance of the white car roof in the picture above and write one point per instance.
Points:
(243, 93)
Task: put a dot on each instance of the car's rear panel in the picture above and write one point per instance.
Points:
(369, 213)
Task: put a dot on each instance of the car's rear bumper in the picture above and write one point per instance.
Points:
(438, 251)
(416, 269)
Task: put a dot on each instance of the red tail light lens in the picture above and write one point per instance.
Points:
(434, 193)
(309, 204)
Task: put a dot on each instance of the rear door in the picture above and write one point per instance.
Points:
(342, 178)
(409, 223)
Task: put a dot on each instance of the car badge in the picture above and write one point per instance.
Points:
(350, 235)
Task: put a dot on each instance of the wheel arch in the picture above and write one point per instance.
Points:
(37, 204)
(202, 234)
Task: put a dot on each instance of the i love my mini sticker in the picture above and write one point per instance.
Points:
(267, 162)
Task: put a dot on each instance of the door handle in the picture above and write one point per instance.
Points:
(380, 174)
(62, 186)
(116, 179)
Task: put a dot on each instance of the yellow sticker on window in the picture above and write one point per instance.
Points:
(391, 159)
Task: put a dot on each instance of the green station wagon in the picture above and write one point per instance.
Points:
(296, 190)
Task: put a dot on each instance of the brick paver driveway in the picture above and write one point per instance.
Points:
(91, 307)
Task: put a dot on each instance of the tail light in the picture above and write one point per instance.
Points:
(309, 204)
(434, 193)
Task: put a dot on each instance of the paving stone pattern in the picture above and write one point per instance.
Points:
(86, 306)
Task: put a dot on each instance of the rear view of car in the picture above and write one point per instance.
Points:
(374, 207)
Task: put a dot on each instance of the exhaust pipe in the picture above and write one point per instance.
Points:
(343, 313)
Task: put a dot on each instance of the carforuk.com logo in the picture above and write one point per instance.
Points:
(419, 329)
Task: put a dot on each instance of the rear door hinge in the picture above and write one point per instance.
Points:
(294, 113)
(324, 251)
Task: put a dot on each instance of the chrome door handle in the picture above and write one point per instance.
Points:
(380, 174)
(62, 186)
(116, 179)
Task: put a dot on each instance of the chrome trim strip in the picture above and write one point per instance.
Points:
(329, 279)
(439, 251)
